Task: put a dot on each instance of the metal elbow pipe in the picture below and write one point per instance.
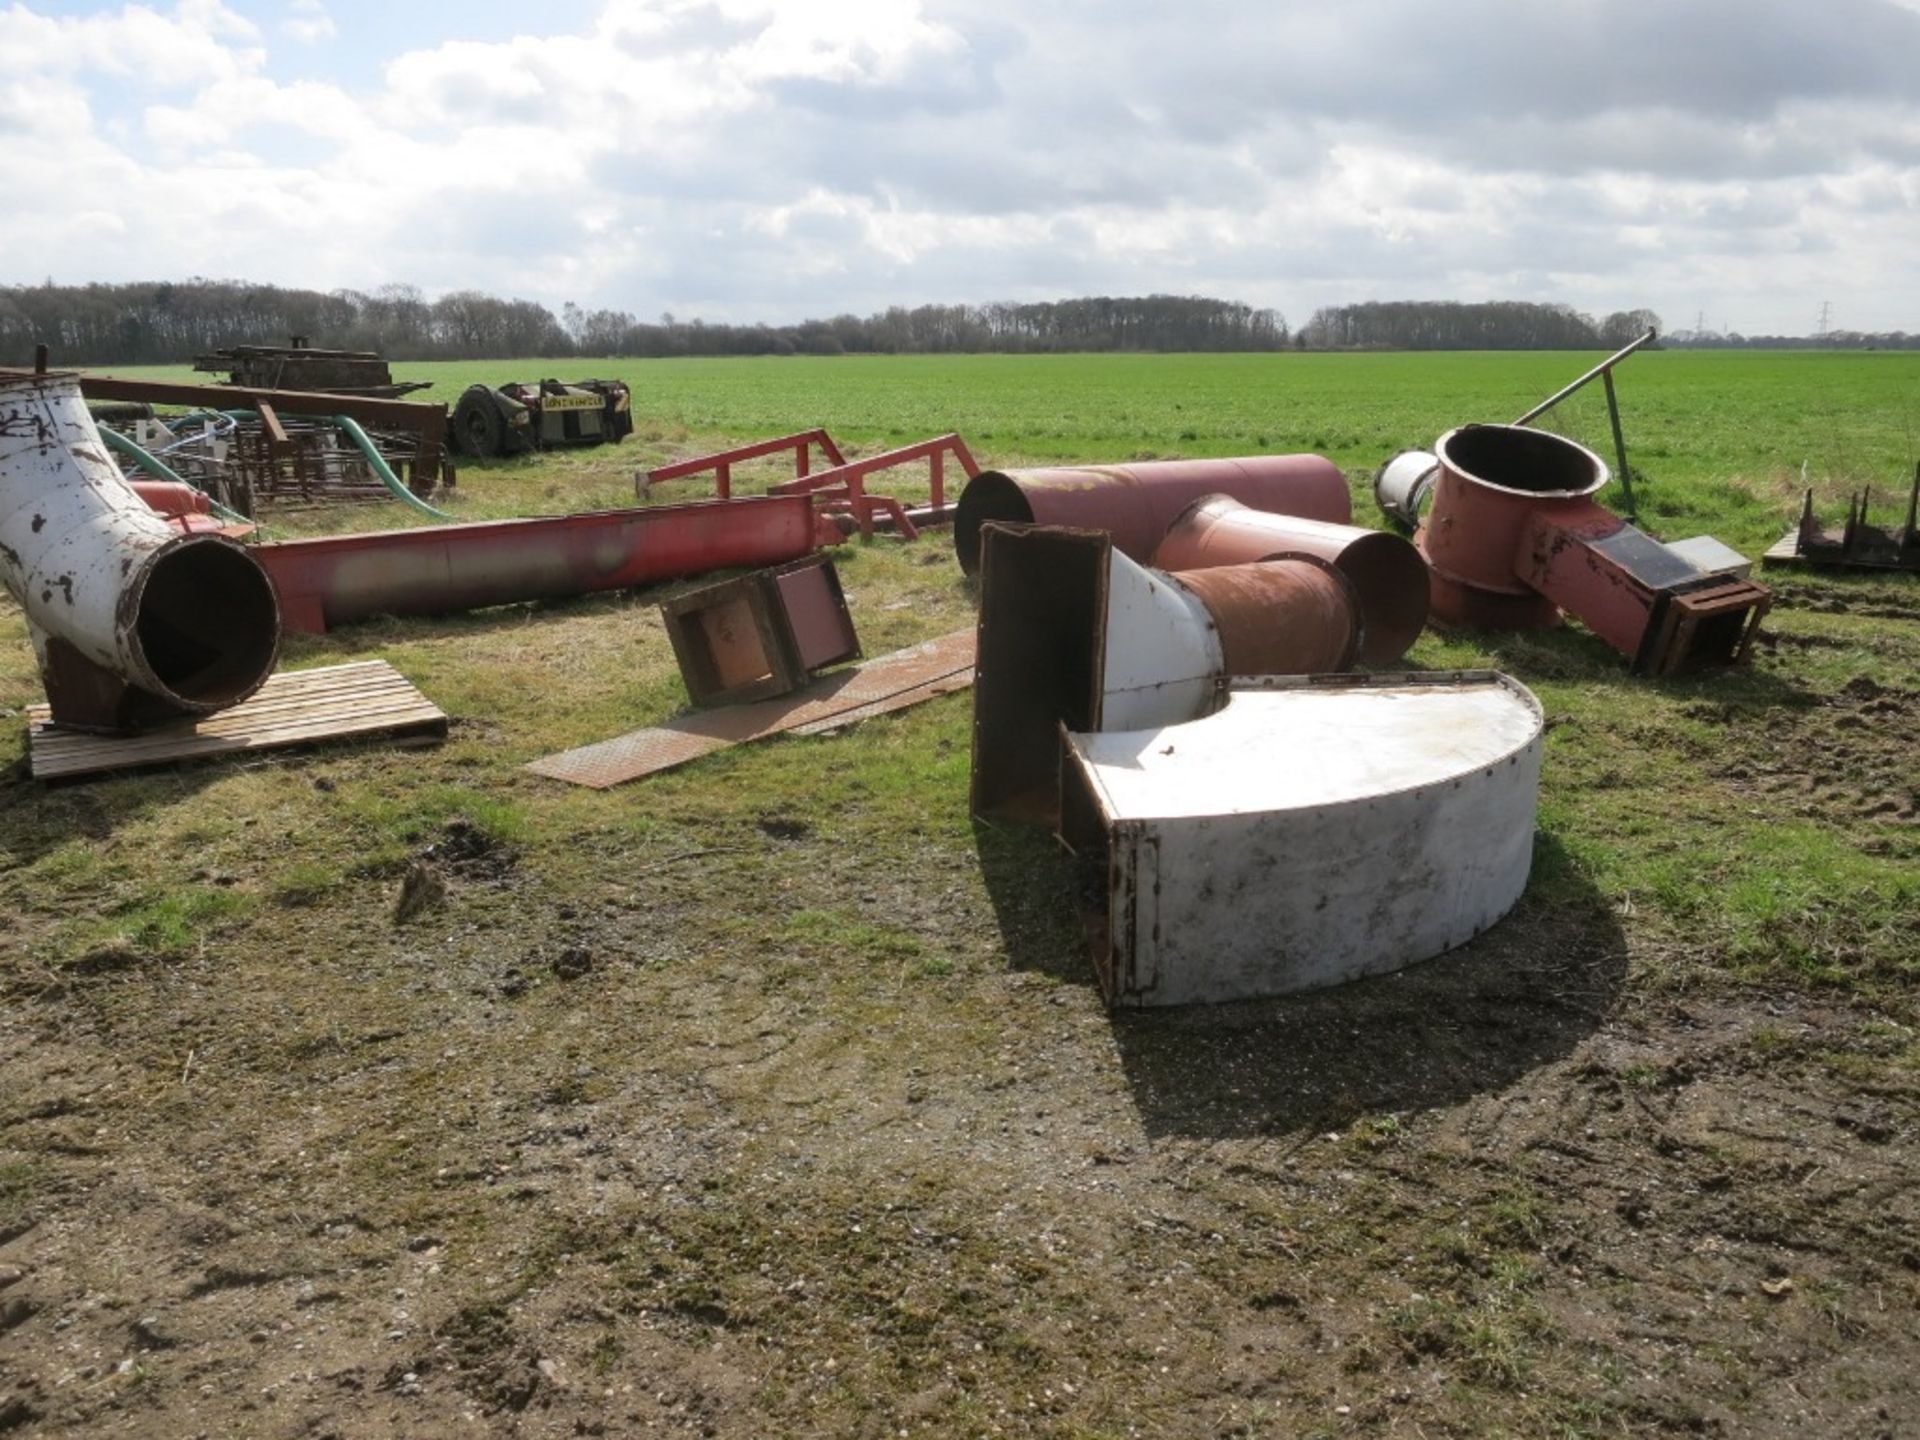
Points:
(131, 620)
(1134, 504)
(1388, 576)
(1074, 633)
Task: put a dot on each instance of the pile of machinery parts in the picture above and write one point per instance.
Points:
(1856, 545)
(1514, 540)
(1234, 824)
(156, 639)
(760, 635)
(517, 418)
(245, 462)
(299, 366)
(245, 446)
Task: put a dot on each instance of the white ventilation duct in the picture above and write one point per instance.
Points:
(131, 620)
(1308, 832)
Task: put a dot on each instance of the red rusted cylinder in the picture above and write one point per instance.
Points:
(438, 569)
(1493, 480)
(1387, 573)
(1135, 503)
(1292, 616)
(171, 497)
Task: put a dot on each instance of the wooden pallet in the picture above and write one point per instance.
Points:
(294, 707)
(1785, 555)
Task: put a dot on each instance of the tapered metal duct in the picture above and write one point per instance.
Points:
(131, 620)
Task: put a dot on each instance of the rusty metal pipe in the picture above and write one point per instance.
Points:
(1136, 503)
(1388, 576)
(1291, 615)
(130, 619)
(1493, 480)
(440, 569)
(1513, 539)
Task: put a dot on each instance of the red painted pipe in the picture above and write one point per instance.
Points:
(1387, 573)
(171, 497)
(1514, 539)
(1136, 503)
(1493, 480)
(438, 569)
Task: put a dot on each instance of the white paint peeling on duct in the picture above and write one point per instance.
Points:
(115, 597)
(1309, 832)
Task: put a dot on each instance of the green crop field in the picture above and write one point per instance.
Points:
(772, 1095)
(1714, 431)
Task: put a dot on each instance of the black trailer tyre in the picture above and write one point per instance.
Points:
(477, 423)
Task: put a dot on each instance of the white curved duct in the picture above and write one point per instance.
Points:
(131, 620)
(1162, 661)
(1308, 832)
(1073, 632)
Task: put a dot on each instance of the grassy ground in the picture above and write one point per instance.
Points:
(772, 1096)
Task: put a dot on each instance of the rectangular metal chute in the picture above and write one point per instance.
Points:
(1043, 605)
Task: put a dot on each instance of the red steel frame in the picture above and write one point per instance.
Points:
(843, 489)
(721, 462)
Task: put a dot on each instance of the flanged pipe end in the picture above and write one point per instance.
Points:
(201, 623)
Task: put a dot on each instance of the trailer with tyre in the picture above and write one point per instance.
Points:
(518, 418)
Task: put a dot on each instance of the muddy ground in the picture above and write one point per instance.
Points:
(802, 1121)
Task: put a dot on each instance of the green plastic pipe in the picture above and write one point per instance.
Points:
(160, 470)
(380, 467)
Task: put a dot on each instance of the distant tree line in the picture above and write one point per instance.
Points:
(1832, 340)
(1463, 325)
(168, 322)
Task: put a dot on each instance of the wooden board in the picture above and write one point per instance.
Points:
(294, 707)
(1786, 553)
(885, 683)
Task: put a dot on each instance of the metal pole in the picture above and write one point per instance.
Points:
(1620, 447)
(1601, 369)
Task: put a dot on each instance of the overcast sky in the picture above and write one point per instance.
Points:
(747, 160)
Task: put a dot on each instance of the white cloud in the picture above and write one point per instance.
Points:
(308, 22)
(758, 160)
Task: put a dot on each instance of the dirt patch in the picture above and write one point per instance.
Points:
(1849, 757)
(467, 852)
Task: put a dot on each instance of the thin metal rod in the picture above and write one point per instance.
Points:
(1620, 447)
(1601, 369)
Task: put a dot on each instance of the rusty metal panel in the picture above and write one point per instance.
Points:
(816, 611)
(903, 677)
